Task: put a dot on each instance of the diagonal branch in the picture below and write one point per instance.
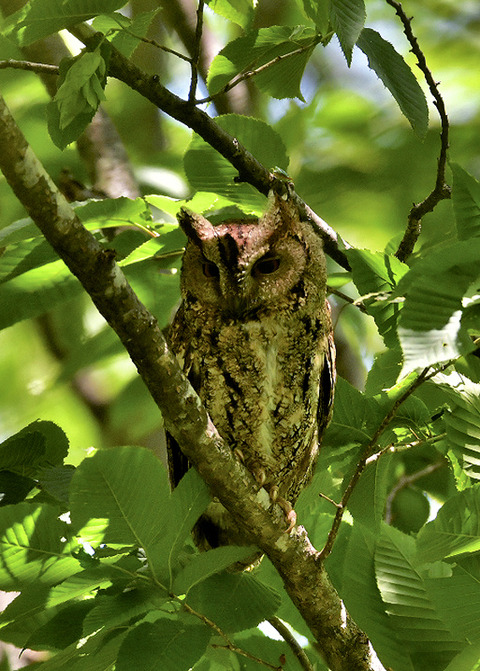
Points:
(249, 168)
(344, 646)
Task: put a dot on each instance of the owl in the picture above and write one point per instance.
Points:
(253, 334)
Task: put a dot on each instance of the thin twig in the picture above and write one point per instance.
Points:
(228, 643)
(441, 190)
(406, 481)
(41, 68)
(248, 72)
(357, 302)
(292, 642)
(196, 52)
(369, 448)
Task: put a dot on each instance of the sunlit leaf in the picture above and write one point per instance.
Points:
(363, 601)
(258, 138)
(32, 548)
(40, 18)
(463, 430)
(430, 327)
(127, 487)
(281, 79)
(455, 530)
(466, 203)
(238, 11)
(390, 67)
(376, 275)
(407, 602)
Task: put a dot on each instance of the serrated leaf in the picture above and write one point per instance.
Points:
(39, 445)
(165, 644)
(234, 601)
(466, 203)
(430, 326)
(362, 600)
(77, 91)
(396, 75)
(205, 564)
(413, 613)
(114, 610)
(127, 488)
(32, 547)
(463, 430)
(257, 137)
(40, 18)
(457, 597)
(455, 530)
(281, 79)
(378, 274)
(348, 18)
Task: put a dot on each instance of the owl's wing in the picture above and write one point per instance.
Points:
(178, 463)
(327, 386)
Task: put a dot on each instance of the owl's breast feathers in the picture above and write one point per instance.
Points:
(267, 384)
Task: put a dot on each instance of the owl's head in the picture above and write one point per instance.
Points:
(242, 266)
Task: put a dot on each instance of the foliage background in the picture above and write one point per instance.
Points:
(354, 159)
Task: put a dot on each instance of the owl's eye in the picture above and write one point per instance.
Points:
(210, 269)
(266, 266)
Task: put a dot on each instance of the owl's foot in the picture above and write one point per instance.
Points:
(286, 506)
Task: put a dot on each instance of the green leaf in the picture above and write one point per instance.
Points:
(354, 416)
(36, 292)
(463, 429)
(378, 274)
(32, 548)
(234, 601)
(282, 77)
(238, 11)
(363, 602)
(165, 644)
(128, 39)
(466, 203)
(40, 18)
(467, 660)
(413, 614)
(187, 502)
(430, 327)
(23, 256)
(457, 597)
(456, 529)
(126, 488)
(396, 75)
(348, 18)
(39, 445)
(205, 564)
(113, 611)
(77, 93)
(63, 629)
(258, 138)
(318, 11)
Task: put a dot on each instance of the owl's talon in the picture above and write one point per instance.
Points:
(237, 452)
(260, 476)
(288, 511)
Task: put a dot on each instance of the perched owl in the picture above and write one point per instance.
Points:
(254, 336)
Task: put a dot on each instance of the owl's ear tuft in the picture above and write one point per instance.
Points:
(195, 227)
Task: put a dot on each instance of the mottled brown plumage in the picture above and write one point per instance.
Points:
(254, 336)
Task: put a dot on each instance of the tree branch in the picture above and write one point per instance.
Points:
(39, 68)
(344, 646)
(441, 190)
(249, 168)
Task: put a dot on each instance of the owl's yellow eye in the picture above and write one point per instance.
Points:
(210, 269)
(266, 266)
